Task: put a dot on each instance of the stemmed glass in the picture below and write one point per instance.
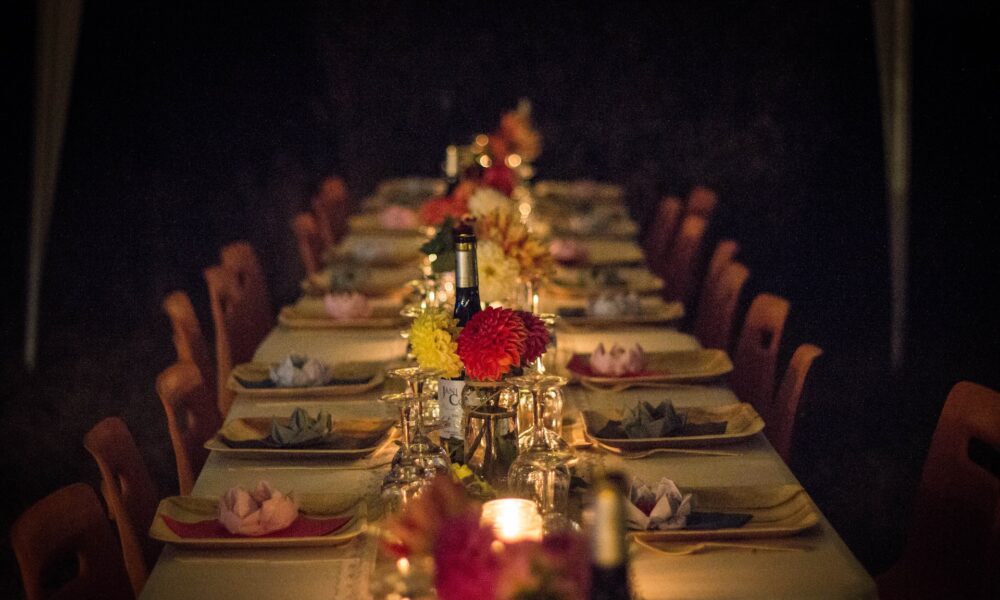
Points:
(406, 478)
(541, 470)
(424, 450)
(543, 395)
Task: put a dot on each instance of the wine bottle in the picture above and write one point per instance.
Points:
(466, 304)
(608, 547)
(467, 301)
(450, 169)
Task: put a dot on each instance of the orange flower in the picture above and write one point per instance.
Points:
(491, 343)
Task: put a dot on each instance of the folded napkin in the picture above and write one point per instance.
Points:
(301, 430)
(645, 421)
(395, 216)
(299, 371)
(568, 251)
(617, 362)
(349, 305)
(263, 511)
(611, 304)
(347, 278)
(665, 508)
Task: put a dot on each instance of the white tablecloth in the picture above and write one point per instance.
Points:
(826, 570)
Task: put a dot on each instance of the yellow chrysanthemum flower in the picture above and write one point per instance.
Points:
(432, 339)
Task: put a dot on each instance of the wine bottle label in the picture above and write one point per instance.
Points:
(450, 401)
(466, 270)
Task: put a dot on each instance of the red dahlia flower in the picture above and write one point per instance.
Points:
(538, 337)
(491, 343)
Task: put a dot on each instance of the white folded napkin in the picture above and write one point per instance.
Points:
(670, 508)
(257, 513)
(609, 304)
(617, 362)
(350, 305)
(299, 371)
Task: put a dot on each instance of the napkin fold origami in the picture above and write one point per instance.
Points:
(397, 217)
(299, 371)
(302, 430)
(647, 421)
(611, 304)
(618, 361)
(349, 305)
(256, 513)
(568, 251)
(659, 508)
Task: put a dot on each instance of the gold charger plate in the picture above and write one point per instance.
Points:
(298, 316)
(351, 439)
(777, 511)
(653, 313)
(571, 282)
(261, 371)
(197, 508)
(372, 281)
(383, 248)
(742, 423)
(677, 366)
(612, 252)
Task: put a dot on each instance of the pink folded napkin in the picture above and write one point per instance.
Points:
(351, 305)
(257, 513)
(398, 217)
(568, 251)
(617, 362)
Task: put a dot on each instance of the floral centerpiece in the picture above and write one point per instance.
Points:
(470, 561)
(493, 342)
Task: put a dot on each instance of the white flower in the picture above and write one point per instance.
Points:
(497, 272)
(485, 200)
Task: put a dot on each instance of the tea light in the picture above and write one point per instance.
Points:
(513, 519)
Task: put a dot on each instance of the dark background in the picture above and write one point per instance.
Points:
(192, 125)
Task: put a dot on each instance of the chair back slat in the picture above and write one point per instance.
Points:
(189, 341)
(756, 356)
(780, 415)
(682, 264)
(713, 325)
(192, 418)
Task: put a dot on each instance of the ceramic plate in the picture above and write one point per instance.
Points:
(370, 281)
(654, 311)
(351, 439)
(311, 314)
(373, 373)
(580, 281)
(678, 366)
(384, 248)
(193, 509)
(742, 423)
(777, 511)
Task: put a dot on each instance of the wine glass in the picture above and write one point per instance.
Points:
(541, 470)
(543, 396)
(406, 477)
(425, 452)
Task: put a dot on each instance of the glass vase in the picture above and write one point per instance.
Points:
(489, 415)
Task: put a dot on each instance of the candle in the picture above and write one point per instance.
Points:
(451, 161)
(513, 519)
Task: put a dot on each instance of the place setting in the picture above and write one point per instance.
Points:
(299, 376)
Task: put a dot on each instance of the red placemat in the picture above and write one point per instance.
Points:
(301, 527)
(580, 365)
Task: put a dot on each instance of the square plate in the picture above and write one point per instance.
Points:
(371, 281)
(677, 366)
(199, 508)
(382, 248)
(777, 511)
(742, 423)
(310, 313)
(356, 438)
(578, 281)
(654, 312)
(261, 371)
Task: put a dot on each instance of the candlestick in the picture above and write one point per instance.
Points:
(513, 519)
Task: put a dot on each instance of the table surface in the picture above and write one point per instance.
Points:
(826, 569)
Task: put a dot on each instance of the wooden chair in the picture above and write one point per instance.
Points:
(756, 356)
(129, 492)
(188, 338)
(67, 526)
(192, 418)
(240, 259)
(724, 254)
(702, 201)
(239, 328)
(682, 264)
(953, 546)
(713, 324)
(330, 206)
(661, 235)
(310, 242)
(779, 414)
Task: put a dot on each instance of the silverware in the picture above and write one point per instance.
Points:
(686, 548)
(621, 387)
(627, 455)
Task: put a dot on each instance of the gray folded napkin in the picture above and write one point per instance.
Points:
(301, 430)
(644, 421)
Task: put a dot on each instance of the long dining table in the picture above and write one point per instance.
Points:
(816, 564)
